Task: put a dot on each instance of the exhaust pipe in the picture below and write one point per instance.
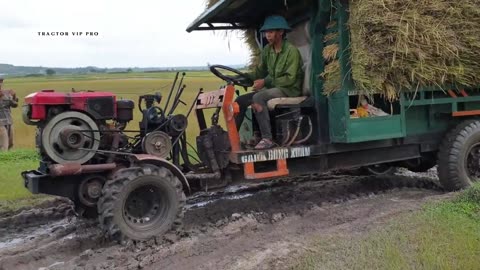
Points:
(77, 168)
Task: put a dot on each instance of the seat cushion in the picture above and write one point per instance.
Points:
(272, 103)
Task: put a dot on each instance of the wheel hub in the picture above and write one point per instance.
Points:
(94, 190)
(72, 137)
(143, 206)
(473, 162)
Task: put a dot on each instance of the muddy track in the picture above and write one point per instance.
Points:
(46, 212)
(299, 195)
(31, 239)
(54, 202)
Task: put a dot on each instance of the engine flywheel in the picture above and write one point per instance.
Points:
(65, 133)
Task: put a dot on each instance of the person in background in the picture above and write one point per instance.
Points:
(8, 100)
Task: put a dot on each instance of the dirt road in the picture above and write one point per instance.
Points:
(246, 227)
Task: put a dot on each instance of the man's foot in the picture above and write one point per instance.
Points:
(265, 144)
(252, 142)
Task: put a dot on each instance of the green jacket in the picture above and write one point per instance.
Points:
(281, 70)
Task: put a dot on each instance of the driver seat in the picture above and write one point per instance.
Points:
(300, 37)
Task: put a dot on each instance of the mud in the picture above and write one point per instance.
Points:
(46, 212)
(243, 227)
(54, 202)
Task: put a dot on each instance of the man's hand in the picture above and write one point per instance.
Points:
(258, 84)
(13, 94)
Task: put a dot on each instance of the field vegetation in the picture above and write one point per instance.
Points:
(441, 236)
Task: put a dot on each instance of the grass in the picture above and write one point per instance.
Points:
(13, 195)
(441, 236)
(11, 185)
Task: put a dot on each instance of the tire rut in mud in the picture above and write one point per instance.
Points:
(42, 234)
(296, 195)
(43, 213)
(49, 243)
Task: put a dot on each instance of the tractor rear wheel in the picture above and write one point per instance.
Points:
(459, 156)
(140, 203)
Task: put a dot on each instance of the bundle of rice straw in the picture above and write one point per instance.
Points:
(399, 45)
(331, 74)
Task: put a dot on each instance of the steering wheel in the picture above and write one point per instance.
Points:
(241, 79)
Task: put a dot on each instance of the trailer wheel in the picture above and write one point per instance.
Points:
(422, 164)
(88, 192)
(459, 156)
(379, 169)
(85, 211)
(140, 203)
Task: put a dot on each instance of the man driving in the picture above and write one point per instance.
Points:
(279, 74)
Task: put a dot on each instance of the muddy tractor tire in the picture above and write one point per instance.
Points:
(140, 203)
(459, 156)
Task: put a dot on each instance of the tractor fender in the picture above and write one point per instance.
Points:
(161, 162)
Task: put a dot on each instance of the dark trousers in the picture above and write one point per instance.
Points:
(259, 99)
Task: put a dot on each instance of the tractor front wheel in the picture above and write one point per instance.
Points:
(140, 203)
(459, 156)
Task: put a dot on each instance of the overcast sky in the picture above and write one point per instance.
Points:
(140, 33)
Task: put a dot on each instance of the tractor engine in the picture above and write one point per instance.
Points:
(82, 139)
(71, 127)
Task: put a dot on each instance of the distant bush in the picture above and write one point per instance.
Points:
(50, 72)
(35, 75)
(156, 71)
(118, 72)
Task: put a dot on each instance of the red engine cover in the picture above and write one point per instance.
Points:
(99, 105)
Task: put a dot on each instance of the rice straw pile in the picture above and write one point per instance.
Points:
(409, 44)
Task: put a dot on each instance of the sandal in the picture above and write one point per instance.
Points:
(252, 142)
(265, 144)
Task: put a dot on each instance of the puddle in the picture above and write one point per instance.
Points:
(228, 197)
